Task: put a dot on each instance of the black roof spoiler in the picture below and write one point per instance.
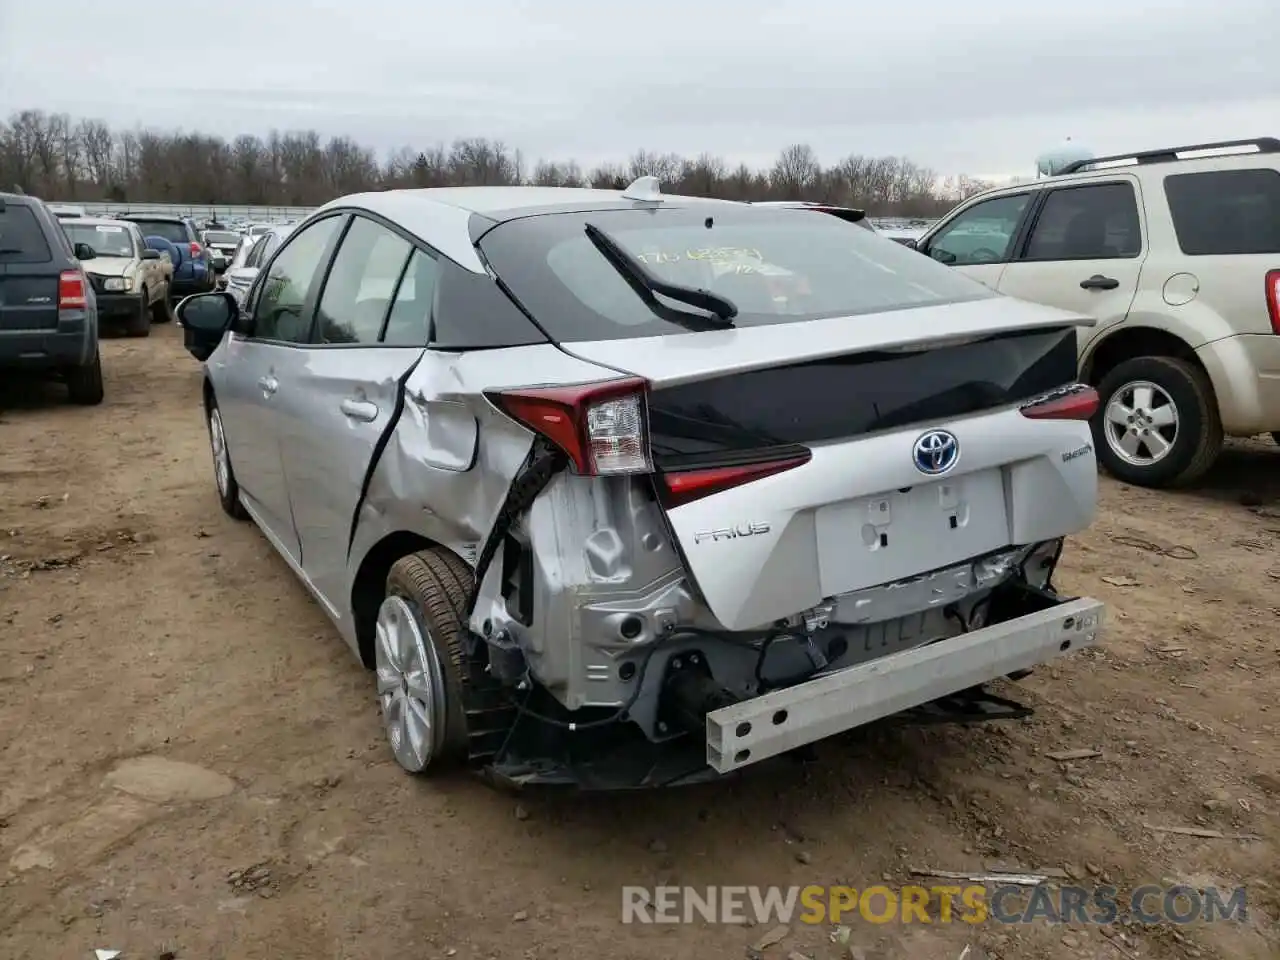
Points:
(1170, 154)
(851, 214)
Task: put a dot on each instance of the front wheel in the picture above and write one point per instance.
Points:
(1157, 424)
(224, 477)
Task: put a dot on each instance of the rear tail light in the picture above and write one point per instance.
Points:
(600, 426)
(1079, 402)
(71, 290)
(195, 249)
(1273, 299)
(685, 486)
(603, 428)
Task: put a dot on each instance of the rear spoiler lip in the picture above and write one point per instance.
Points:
(674, 359)
(848, 214)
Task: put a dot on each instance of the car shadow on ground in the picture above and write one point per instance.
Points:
(1247, 473)
(21, 392)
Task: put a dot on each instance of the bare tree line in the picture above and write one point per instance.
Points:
(61, 158)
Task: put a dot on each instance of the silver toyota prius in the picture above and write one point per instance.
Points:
(619, 488)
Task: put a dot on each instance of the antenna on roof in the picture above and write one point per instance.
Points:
(644, 189)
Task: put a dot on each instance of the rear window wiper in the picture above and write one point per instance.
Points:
(643, 281)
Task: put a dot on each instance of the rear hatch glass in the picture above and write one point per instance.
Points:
(28, 275)
(168, 229)
(21, 239)
(775, 266)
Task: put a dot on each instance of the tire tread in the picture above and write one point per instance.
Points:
(478, 713)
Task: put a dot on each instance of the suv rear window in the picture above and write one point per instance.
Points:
(776, 266)
(21, 239)
(1225, 211)
(171, 230)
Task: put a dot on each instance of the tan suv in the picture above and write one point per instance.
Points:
(1177, 253)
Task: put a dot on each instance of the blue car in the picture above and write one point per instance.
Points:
(192, 266)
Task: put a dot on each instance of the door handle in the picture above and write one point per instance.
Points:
(1099, 282)
(269, 384)
(361, 410)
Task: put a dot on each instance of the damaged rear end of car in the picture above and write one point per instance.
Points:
(811, 484)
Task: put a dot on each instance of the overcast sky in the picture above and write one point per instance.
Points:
(977, 87)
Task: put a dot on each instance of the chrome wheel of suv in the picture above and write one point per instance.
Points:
(410, 685)
(1141, 423)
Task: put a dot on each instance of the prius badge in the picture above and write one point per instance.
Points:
(936, 452)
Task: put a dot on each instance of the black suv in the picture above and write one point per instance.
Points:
(48, 314)
(192, 266)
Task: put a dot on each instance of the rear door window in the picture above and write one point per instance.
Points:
(1225, 212)
(1094, 222)
(361, 284)
(776, 267)
(21, 238)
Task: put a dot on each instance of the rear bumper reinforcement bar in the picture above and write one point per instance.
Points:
(766, 726)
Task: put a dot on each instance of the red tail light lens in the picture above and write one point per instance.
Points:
(1273, 299)
(685, 486)
(1076, 403)
(601, 426)
(71, 291)
(196, 249)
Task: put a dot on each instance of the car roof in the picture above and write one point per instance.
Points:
(151, 216)
(442, 216)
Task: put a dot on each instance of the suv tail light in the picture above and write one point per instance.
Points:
(196, 249)
(600, 426)
(71, 290)
(1078, 402)
(1273, 299)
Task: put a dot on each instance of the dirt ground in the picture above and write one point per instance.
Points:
(141, 627)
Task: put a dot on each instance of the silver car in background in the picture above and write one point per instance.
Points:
(625, 489)
(254, 250)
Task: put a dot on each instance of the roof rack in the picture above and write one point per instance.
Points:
(1170, 154)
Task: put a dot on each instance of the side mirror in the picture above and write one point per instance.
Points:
(85, 252)
(910, 244)
(211, 313)
(943, 256)
(150, 254)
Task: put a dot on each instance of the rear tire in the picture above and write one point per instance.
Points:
(84, 384)
(421, 664)
(1180, 391)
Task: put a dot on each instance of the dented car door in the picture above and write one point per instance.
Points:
(345, 399)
